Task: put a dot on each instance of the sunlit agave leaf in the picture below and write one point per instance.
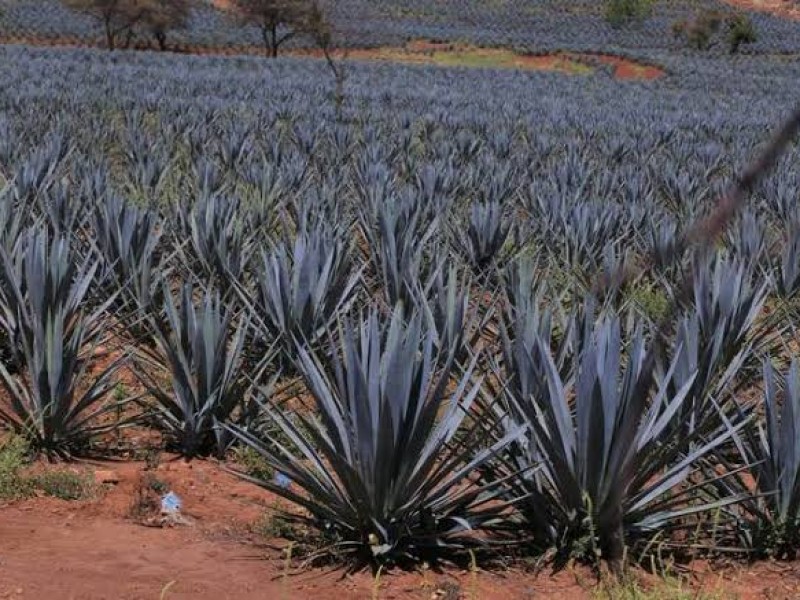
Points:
(377, 464)
(53, 328)
(603, 460)
(302, 285)
(719, 335)
(199, 341)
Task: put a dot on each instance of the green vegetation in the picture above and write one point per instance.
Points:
(740, 31)
(13, 456)
(663, 588)
(622, 12)
(64, 484)
(253, 463)
(701, 32)
(16, 483)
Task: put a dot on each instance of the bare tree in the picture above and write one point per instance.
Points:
(116, 16)
(278, 20)
(159, 17)
(318, 27)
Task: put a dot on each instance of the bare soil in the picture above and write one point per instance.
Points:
(415, 52)
(97, 550)
(789, 9)
(93, 550)
(465, 55)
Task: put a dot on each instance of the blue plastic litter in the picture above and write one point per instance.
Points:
(171, 503)
(282, 480)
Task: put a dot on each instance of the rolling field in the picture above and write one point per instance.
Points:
(503, 310)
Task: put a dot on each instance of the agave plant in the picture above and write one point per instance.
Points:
(302, 285)
(219, 237)
(772, 450)
(445, 303)
(44, 287)
(398, 230)
(127, 238)
(486, 235)
(201, 347)
(788, 271)
(377, 461)
(719, 335)
(603, 466)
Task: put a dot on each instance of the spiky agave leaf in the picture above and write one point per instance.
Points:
(219, 237)
(612, 467)
(302, 284)
(719, 335)
(445, 304)
(128, 238)
(770, 449)
(788, 270)
(486, 234)
(376, 461)
(398, 229)
(200, 342)
(43, 291)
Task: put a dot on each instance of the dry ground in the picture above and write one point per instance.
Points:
(95, 550)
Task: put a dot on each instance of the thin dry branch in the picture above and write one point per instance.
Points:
(704, 233)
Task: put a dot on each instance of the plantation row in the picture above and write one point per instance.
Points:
(537, 26)
(409, 306)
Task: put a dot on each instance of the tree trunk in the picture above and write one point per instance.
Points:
(128, 38)
(265, 38)
(275, 43)
(109, 36)
(161, 38)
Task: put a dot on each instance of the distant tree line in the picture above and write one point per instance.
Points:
(705, 29)
(127, 21)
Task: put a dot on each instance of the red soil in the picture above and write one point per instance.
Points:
(625, 69)
(782, 8)
(93, 550)
(414, 51)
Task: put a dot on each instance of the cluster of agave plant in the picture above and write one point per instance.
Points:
(401, 314)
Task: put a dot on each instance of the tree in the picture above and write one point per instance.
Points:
(703, 31)
(278, 20)
(116, 16)
(159, 17)
(740, 31)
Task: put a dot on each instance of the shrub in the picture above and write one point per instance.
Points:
(253, 463)
(621, 12)
(740, 31)
(64, 484)
(700, 30)
(13, 485)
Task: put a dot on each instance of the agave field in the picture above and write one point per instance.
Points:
(450, 309)
(539, 25)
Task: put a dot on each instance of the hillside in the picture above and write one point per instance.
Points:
(539, 25)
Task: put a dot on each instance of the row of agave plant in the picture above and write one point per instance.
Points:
(454, 393)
